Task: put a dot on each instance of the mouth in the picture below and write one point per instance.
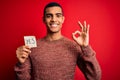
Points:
(54, 25)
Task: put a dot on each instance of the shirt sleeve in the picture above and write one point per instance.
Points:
(88, 64)
(23, 71)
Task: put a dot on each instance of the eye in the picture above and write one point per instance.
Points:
(48, 16)
(59, 15)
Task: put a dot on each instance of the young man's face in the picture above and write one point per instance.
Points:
(53, 19)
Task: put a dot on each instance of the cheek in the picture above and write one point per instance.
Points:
(62, 20)
(46, 21)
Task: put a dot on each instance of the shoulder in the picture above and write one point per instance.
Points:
(40, 41)
(69, 41)
(72, 45)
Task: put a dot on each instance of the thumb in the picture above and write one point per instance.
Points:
(74, 37)
(76, 33)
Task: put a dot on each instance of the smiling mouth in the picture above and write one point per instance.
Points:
(54, 25)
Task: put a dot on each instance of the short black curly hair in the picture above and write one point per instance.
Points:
(52, 4)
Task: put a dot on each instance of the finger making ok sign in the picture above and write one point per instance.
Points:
(83, 36)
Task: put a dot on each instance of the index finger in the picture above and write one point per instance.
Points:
(21, 47)
(81, 26)
(28, 47)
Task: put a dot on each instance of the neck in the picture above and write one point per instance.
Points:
(54, 36)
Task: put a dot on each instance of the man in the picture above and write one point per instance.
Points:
(55, 56)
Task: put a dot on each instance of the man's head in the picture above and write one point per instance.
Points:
(53, 17)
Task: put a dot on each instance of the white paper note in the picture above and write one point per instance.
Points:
(30, 41)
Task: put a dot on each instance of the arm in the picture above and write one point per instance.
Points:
(23, 67)
(89, 64)
(23, 71)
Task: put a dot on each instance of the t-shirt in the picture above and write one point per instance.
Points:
(57, 60)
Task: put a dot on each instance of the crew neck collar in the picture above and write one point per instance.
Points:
(53, 40)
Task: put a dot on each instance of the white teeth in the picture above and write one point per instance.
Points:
(54, 25)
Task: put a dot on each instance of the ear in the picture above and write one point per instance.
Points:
(63, 19)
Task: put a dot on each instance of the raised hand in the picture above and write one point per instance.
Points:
(83, 38)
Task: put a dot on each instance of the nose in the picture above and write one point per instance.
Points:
(53, 18)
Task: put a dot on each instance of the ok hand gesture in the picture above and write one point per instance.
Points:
(83, 38)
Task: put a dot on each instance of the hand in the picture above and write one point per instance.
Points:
(23, 53)
(83, 38)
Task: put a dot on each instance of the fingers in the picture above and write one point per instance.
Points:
(84, 27)
(88, 28)
(22, 53)
(75, 33)
(81, 26)
(24, 49)
(85, 24)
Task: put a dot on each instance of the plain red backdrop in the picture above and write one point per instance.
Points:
(24, 17)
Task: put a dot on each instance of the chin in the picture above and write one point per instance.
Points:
(54, 31)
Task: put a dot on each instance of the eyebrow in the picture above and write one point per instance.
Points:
(59, 13)
(55, 14)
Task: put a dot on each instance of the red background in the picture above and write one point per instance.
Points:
(20, 17)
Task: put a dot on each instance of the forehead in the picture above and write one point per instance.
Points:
(54, 9)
